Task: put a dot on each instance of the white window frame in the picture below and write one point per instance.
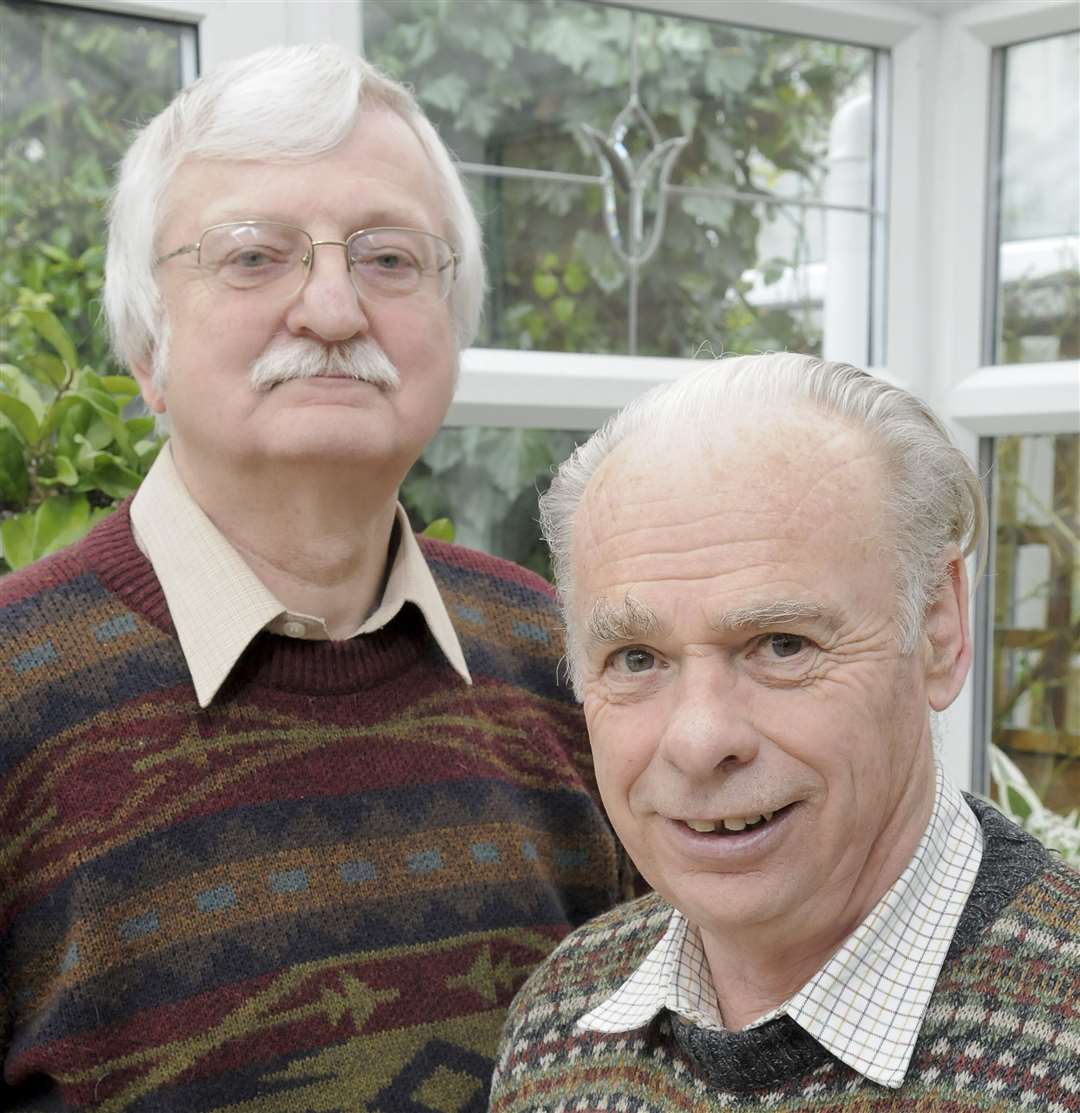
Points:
(937, 189)
(979, 399)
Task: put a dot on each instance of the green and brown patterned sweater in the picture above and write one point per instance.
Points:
(319, 893)
(1002, 1032)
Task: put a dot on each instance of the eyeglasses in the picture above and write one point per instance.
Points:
(264, 254)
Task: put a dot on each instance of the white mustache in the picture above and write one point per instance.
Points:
(300, 358)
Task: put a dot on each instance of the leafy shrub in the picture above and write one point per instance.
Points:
(68, 449)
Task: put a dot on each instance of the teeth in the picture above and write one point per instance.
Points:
(735, 823)
(704, 825)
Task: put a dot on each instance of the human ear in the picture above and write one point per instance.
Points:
(948, 635)
(153, 397)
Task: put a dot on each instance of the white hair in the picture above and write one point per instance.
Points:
(934, 497)
(284, 104)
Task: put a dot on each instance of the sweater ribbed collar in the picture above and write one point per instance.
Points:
(315, 668)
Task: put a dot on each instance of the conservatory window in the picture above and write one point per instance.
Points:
(1035, 588)
(1036, 314)
(1032, 596)
(74, 82)
(650, 183)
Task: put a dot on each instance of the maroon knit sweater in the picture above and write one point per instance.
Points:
(318, 893)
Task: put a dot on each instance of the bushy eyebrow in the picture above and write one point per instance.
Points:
(632, 620)
(773, 614)
(609, 623)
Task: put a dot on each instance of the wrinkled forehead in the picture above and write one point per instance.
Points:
(381, 172)
(758, 485)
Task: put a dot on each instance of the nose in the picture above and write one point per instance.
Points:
(710, 729)
(328, 307)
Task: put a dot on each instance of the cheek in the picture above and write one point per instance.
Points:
(623, 745)
(416, 339)
(204, 337)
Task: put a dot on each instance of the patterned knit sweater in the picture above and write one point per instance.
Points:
(1002, 1031)
(321, 892)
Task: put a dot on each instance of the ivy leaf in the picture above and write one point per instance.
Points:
(21, 417)
(562, 309)
(575, 277)
(140, 427)
(442, 529)
(65, 471)
(123, 386)
(17, 537)
(596, 252)
(730, 68)
(14, 479)
(57, 254)
(49, 328)
(107, 411)
(447, 92)
(19, 385)
(112, 477)
(58, 521)
(545, 285)
(50, 368)
(714, 211)
(69, 414)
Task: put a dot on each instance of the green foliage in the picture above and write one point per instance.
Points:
(67, 449)
(486, 481)
(442, 529)
(73, 83)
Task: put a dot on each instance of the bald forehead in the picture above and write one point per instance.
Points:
(782, 458)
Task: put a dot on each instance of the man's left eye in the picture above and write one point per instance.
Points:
(786, 645)
(391, 261)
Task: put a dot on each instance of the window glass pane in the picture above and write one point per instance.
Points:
(505, 81)
(712, 116)
(1036, 599)
(1038, 311)
(805, 288)
(556, 283)
(486, 481)
(72, 83)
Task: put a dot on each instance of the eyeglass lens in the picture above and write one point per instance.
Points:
(383, 262)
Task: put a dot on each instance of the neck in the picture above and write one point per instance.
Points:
(316, 536)
(760, 968)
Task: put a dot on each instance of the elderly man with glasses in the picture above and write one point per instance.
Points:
(292, 801)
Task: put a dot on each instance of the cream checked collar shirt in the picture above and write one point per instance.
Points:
(866, 1005)
(217, 602)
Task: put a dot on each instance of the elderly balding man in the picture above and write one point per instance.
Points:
(762, 569)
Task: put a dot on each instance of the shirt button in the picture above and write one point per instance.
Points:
(294, 629)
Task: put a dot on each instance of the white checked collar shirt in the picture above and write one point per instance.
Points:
(867, 1004)
(217, 602)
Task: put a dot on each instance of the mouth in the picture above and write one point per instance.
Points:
(729, 825)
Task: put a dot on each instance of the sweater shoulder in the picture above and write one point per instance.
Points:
(505, 616)
(1051, 900)
(464, 569)
(590, 964)
(43, 576)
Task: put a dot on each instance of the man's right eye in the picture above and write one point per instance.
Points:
(251, 259)
(635, 659)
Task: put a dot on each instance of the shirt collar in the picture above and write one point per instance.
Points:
(217, 602)
(867, 1004)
